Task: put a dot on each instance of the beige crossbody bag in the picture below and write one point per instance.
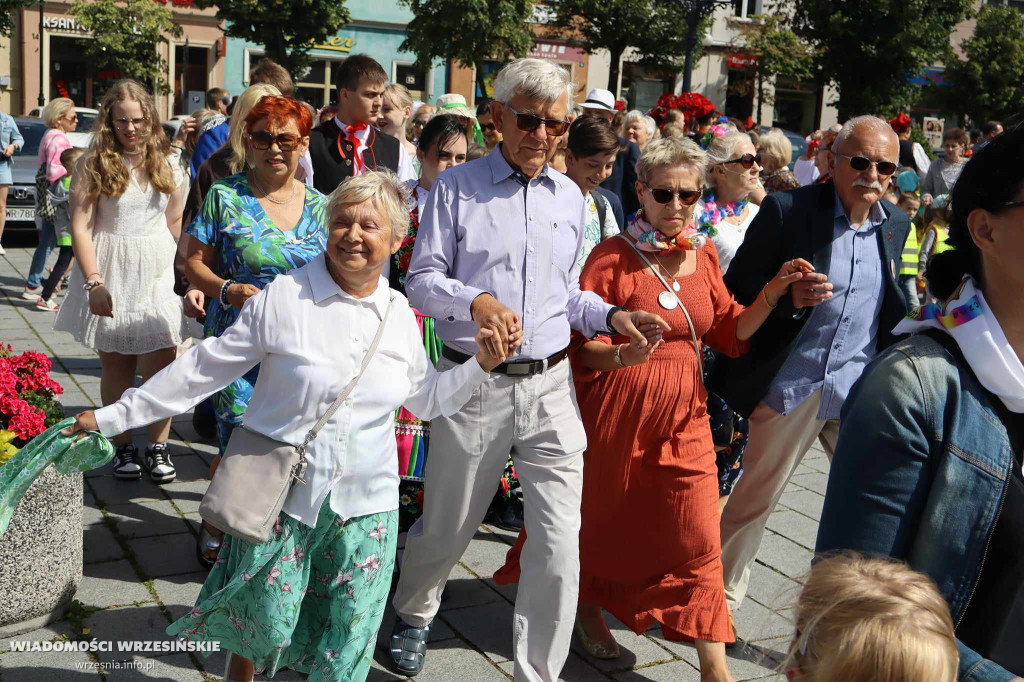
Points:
(246, 495)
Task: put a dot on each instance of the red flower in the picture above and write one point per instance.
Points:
(29, 423)
(8, 382)
(11, 404)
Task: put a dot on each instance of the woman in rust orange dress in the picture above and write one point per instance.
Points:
(649, 543)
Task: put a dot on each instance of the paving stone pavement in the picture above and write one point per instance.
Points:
(140, 570)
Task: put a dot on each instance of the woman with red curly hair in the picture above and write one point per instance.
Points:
(252, 227)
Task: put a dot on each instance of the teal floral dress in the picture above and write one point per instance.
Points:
(309, 599)
(250, 249)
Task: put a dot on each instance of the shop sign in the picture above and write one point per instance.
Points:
(63, 24)
(741, 61)
(933, 128)
(557, 52)
(337, 44)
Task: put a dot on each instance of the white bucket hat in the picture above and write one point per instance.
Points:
(454, 104)
(599, 99)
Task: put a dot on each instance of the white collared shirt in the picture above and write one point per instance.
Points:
(310, 338)
(406, 171)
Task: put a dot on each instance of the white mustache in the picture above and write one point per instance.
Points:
(874, 184)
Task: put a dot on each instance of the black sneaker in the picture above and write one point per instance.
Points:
(126, 463)
(158, 461)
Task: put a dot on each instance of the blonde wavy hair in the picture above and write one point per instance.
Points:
(236, 130)
(105, 171)
(55, 109)
(864, 620)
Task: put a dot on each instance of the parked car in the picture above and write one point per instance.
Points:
(21, 197)
(82, 137)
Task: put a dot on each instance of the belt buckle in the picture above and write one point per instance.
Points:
(519, 369)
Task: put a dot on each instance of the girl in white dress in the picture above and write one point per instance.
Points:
(126, 204)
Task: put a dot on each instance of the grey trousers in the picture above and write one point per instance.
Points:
(537, 420)
(776, 447)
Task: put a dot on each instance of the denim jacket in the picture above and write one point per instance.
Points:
(9, 133)
(920, 473)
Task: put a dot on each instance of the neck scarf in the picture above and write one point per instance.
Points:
(350, 135)
(968, 319)
(649, 239)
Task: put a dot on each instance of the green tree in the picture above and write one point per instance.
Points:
(7, 11)
(287, 29)
(986, 83)
(656, 30)
(870, 49)
(779, 52)
(125, 36)
(469, 32)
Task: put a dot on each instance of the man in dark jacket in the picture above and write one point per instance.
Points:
(808, 354)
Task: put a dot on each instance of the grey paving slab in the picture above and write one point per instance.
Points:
(99, 544)
(49, 666)
(637, 650)
(166, 554)
(755, 622)
(785, 556)
(463, 589)
(804, 501)
(111, 583)
(448, 661)
(147, 519)
(129, 623)
(576, 669)
(801, 529)
(178, 592)
(177, 667)
(771, 588)
(487, 627)
(812, 480)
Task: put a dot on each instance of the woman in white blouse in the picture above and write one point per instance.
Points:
(311, 598)
(733, 169)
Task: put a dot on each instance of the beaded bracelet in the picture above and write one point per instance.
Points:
(224, 292)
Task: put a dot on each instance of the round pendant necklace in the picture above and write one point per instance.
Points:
(675, 284)
(269, 198)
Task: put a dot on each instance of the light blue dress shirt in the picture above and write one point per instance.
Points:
(487, 229)
(841, 336)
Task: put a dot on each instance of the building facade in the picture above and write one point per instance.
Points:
(377, 29)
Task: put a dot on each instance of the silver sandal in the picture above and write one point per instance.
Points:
(208, 542)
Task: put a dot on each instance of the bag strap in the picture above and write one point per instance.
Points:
(689, 321)
(602, 209)
(351, 385)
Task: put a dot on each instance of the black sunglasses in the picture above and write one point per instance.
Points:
(286, 142)
(1012, 204)
(747, 160)
(861, 164)
(530, 122)
(689, 197)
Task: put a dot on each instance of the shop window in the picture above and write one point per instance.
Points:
(315, 84)
(740, 94)
(74, 77)
(641, 87)
(190, 73)
(414, 79)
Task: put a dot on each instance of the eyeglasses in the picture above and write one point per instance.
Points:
(861, 164)
(262, 141)
(419, 123)
(72, 117)
(1012, 204)
(747, 161)
(530, 122)
(689, 197)
(122, 123)
(487, 126)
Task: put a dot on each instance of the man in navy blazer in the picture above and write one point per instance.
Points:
(809, 353)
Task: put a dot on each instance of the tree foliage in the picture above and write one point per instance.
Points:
(287, 29)
(986, 83)
(870, 49)
(8, 8)
(469, 32)
(779, 52)
(655, 29)
(125, 36)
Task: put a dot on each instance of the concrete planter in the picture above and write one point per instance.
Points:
(41, 554)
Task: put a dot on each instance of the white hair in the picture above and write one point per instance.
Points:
(534, 78)
(873, 123)
(670, 152)
(647, 121)
(721, 148)
(776, 150)
(385, 189)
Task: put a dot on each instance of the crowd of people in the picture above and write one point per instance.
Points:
(460, 312)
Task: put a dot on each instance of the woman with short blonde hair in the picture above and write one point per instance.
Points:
(126, 199)
(776, 153)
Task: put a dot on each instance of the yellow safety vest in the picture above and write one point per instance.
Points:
(911, 248)
(940, 241)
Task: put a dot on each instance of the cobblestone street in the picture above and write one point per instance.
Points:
(141, 571)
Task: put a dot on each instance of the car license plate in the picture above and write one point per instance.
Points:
(21, 214)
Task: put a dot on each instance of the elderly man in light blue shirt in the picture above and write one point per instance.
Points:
(497, 247)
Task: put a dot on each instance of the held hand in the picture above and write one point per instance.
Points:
(100, 302)
(790, 272)
(239, 293)
(643, 328)
(812, 289)
(84, 421)
(489, 356)
(489, 313)
(631, 356)
(10, 149)
(194, 302)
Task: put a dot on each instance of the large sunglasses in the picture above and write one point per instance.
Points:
(747, 161)
(689, 197)
(861, 164)
(262, 141)
(530, 122)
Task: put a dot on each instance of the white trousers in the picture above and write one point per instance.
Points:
(536, 420)
(775, 449)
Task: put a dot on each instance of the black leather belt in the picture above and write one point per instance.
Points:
(524, 368)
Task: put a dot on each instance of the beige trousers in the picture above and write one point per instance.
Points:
(537, 420)
(776, 447)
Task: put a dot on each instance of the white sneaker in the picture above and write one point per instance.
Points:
(47, 305)
(31, 293)
(2, 252)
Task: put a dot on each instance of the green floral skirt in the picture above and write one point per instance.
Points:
(309, 599)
